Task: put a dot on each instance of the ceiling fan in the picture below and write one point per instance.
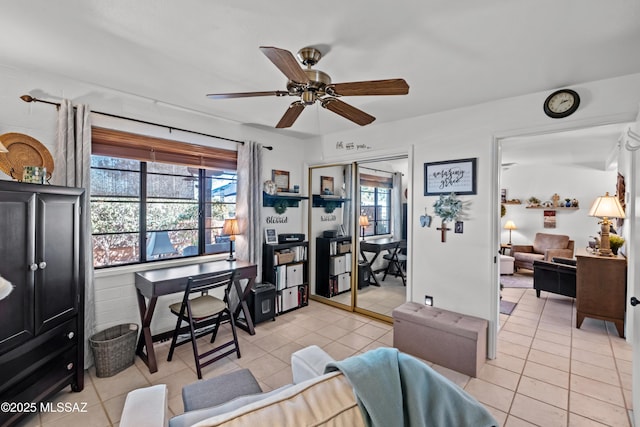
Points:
(313, 85)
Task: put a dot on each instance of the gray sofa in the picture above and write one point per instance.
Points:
(328, 393)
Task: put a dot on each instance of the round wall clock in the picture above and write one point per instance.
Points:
(561, 103)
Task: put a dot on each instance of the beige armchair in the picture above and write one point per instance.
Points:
(545, 247)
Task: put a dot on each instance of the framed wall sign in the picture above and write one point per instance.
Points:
(270, 236)
(452, 176)
(281, 178)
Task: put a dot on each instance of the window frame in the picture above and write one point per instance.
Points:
(372, 228)
(145, 149)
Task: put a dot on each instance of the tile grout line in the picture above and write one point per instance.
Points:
(526, 359)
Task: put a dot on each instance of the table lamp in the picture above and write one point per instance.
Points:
(606, 207)
(509, 225)
(230, 228)
(364, 222)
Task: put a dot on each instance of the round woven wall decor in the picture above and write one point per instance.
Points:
(24, 150)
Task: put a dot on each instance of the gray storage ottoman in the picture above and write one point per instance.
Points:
(449, 339)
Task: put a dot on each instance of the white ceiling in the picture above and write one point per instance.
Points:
(452, 54)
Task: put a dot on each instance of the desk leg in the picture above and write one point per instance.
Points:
(369, 267)
(247, 323)
(145, 342)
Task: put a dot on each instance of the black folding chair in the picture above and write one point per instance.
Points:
(396, 261)
(205, 310)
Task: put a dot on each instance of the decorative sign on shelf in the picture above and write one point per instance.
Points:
(450, 176)
(281, 178)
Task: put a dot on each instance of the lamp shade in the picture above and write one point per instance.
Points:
(230, 227)
(364, 221)
(607, 207)
(159, 244)
(510, 225)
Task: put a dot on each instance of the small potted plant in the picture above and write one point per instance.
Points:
(533, 202)
(615, 242)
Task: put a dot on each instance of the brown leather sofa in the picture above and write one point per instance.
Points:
(545, 247)
(558, 276)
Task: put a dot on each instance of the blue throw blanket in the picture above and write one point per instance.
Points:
(395, 389)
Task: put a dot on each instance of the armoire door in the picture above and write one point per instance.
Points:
(17, 251)
(57, 258)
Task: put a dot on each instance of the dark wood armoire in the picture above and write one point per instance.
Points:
(42, 320)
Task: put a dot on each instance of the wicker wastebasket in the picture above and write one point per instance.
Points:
(114, 349)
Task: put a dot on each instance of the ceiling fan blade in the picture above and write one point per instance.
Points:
(246, 94)
(347, 111)
(371, 87)
(286, 62)
(290, 115)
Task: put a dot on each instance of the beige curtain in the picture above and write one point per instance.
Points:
(248, 204)
(73, 169)
(396, 206)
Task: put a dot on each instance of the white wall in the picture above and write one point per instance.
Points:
(461, 273)
(542, 181)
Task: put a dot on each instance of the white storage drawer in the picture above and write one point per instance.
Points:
(344, 282)
(294, 275)
(337, 265)
(288, 299)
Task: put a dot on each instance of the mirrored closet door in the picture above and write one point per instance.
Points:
(381, 194)
(331, 233)
(358, 235)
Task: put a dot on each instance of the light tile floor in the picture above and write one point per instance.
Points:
(379, 299)
(547, 373)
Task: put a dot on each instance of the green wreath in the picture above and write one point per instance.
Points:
(280, 206)
(329, 207)
(448, 207)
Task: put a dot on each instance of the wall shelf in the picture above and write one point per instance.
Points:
(554, 209)
(320, 201)
(290, 200)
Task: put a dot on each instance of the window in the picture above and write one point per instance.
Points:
(375, 203)
(145, 210)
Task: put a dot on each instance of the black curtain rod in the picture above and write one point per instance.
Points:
(29, 98)
(378, 170)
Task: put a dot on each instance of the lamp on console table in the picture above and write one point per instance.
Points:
(606, 207)
(230, 228)
(510, 225)
(364, 222)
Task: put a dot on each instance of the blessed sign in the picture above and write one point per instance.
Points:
(452, 176)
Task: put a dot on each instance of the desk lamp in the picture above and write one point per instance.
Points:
(364, 222)
(606, 207)
(230, 228)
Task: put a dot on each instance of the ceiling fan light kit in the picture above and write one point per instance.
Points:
(313, 85)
